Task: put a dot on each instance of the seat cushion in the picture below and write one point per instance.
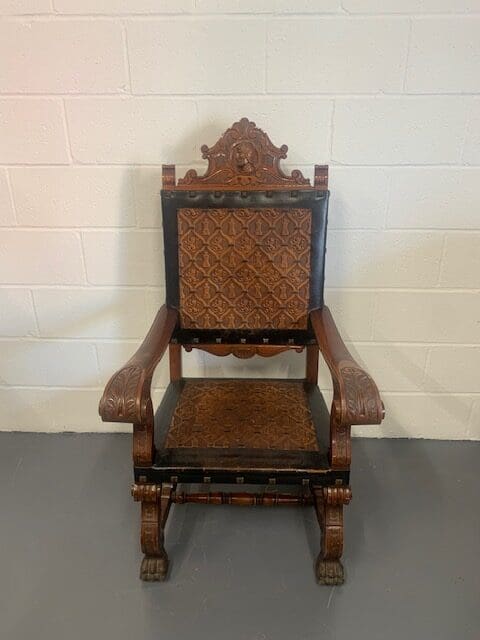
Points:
(243, 414)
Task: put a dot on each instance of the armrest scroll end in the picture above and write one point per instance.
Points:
(127, 395)
(356, 397)
(123, 399)
(358, 401)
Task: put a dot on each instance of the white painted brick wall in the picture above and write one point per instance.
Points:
(73, 197)
(96, 94)
(32, 131)
(419, 130)
(471, 152)
(444, 55)
(132, 130)
(368, 64)
(41, 257)
(7, 213)
(187, 65)
(62, 57)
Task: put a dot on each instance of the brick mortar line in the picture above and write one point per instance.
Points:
(154, 287)
(58, 16)
(126, 57)
(67, 133)
(136, 340)
(158, 229)
(194, 164)
(376, 96)
(375, 309)
(266, 57)
(468, 433)
(407, 55)
(441, 264)
(79, 234)
(428, 356)
(11, 196)
(35, 314)
(92, 286)
(100, 389)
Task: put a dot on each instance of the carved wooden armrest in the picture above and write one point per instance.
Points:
(355, 395)
(356, 399)
(127, 395)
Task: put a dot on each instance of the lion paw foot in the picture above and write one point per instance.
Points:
(154, 569)
(329, 572)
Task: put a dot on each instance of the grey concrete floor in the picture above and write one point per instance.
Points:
(69, 552)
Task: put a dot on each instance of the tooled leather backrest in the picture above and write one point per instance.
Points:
(244, 243)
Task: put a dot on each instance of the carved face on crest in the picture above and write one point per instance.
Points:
(244, 157)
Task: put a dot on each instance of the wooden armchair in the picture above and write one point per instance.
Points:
(244, 256)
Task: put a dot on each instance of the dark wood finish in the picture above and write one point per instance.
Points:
(153, 492)
(244, 263)
(356, 399)
(329, 503)
(127, 395)
(243, 157)
(168, 176)
(156, 501)
(245, 351)
(175, 358)
(245, 499)
(311, 372)
(320, 180)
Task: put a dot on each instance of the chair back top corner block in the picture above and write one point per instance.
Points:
(244, 242)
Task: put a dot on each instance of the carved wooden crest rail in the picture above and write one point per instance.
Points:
(244, 157)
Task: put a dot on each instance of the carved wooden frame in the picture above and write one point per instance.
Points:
(243, 161)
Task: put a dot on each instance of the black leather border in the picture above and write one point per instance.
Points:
(317, 201)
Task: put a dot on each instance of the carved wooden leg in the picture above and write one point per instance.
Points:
(329, 503)
(156, 501)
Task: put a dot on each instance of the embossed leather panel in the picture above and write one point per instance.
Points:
(242, 413)
(245, 268)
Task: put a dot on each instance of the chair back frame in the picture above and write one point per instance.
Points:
(244, 245)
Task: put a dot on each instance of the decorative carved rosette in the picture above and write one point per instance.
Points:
(243, 157)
